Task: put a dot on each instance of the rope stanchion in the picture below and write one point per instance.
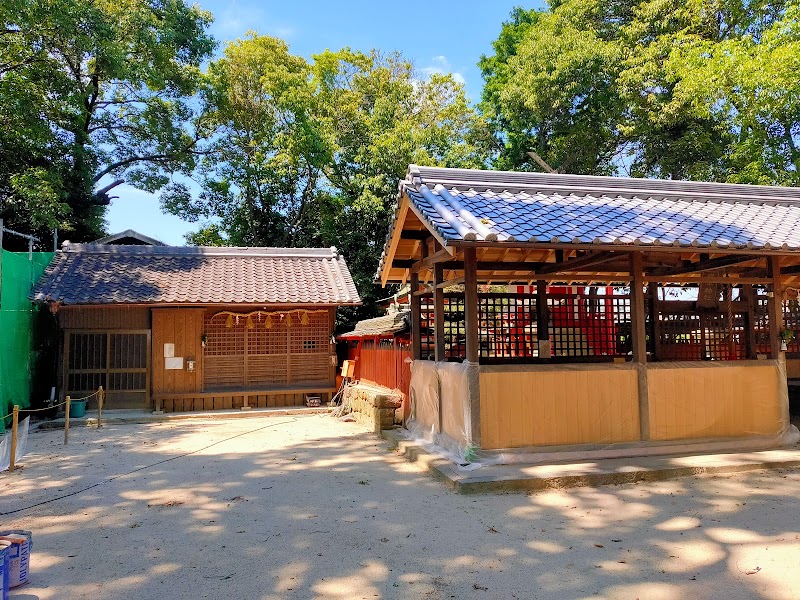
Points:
(14, 422)
(100, 397)
(66, 423)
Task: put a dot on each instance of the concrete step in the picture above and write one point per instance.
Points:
(559, 475)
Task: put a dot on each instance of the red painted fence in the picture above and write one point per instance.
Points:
(386, 362)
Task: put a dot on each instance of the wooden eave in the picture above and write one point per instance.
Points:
(516, 262)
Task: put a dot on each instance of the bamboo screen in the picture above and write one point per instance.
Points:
(255, 356)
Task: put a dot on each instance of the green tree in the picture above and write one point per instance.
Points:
(93, 94)
(309, 153)
(654, 88)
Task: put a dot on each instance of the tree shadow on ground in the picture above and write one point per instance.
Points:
(311, 507)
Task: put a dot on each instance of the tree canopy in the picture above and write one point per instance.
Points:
(309, 152)
(259, 146)
(93, 94)
(656, 88)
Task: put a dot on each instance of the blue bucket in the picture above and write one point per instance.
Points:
(5, 569)
(19, 555)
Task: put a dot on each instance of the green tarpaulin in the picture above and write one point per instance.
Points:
(18, 273)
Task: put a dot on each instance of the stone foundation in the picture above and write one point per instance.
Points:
(372, 406)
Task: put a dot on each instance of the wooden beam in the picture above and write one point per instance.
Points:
(413, 234)
(445, 283)
(579, 263)
(428, 261)
(402, 263)
(660, 249)
(438, 314)
(724, 280)
(705, 265)
(471, 304)
(790, 270)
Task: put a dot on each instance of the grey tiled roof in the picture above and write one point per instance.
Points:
(101, 274)
(464, 204)
(385, 325)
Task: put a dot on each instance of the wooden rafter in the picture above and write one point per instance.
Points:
(706, 264)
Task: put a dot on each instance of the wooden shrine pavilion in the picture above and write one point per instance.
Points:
(596, 311)
(196, 328)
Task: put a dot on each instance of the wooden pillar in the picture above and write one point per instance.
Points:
(749, 297)
(775, 305)
(438, 311)
(639, 334)
(471, 304)
(416, 324)
(655, 313)
(472, 323)
(542, 320)
(775, 328)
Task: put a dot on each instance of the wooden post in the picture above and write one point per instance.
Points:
(14, 422)
(471, 304)
(66, 423)
(775, 327)
(639, 334)
(438, 311)
(655, 320)
(416, 322)
(751, 346)
(775, 306)
(100, 395)
(472, 324)
(542, 321)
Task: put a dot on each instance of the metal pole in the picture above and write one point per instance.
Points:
(30, 249)
(100, 395)
(55, 239)
(66, 423)
(14, 421)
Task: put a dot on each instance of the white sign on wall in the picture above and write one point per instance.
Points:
(173, 363)
(169, 350)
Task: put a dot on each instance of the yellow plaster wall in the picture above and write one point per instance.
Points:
(556, 405)
(719, 400)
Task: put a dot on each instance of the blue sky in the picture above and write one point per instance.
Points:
(445, 36)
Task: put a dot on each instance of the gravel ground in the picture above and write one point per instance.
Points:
(309, 507)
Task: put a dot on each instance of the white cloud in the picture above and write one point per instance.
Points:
(439, 65)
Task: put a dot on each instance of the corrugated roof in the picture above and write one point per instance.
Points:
(473, 205)
(386, 325)
(104, 274)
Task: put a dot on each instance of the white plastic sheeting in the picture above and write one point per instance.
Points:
(440, 405)
(22, 443)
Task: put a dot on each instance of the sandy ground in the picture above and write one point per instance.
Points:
(309, 507)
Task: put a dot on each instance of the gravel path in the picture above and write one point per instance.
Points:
(309, 507)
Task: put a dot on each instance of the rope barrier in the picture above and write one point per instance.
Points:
(41, 409)
(51, 407)
(85, 397)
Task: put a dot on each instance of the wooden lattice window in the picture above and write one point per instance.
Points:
(250, 354)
